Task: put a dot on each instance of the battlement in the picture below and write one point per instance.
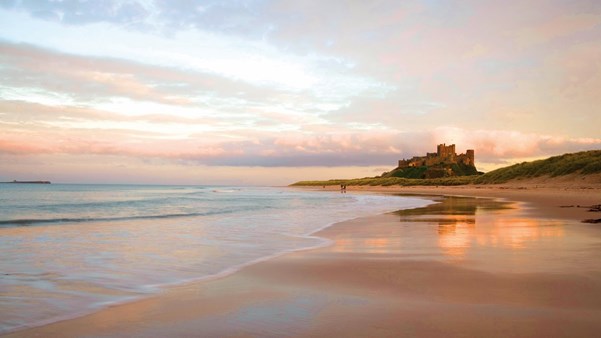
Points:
(444, 155)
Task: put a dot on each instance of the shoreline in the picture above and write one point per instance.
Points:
(563, 201)
(337, 272)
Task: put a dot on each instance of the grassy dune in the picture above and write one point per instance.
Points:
(582, 163)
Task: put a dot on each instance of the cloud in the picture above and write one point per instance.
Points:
(90, 78)
(556, 28)
(46, 76)
(298, 84)
(501, 145)
(83, 12)
(294, 149)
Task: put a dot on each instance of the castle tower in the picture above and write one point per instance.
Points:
(446, 153)
(451, 152)
(440, 149)
(470, 157)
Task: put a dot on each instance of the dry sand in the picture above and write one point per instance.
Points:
(464, 267)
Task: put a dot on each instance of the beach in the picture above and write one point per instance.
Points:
(300, 168)
(480, 262)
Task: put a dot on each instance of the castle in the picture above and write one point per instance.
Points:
(444, 155)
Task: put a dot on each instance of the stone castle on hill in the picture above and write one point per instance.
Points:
(443, 163)
(444, 155)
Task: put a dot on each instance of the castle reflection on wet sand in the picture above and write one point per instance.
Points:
(485, 233)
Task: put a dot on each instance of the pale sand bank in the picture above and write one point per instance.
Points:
(464, 267)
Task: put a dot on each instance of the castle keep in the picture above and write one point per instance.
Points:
(444, 155)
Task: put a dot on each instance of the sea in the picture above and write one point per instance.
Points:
(71, 249)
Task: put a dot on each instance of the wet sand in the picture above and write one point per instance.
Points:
(462, 267)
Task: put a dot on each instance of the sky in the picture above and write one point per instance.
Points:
(271, 92)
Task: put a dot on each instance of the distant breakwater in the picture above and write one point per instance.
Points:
(29, 182)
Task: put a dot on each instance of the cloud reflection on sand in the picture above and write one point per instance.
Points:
(485, 233)
(456, 236)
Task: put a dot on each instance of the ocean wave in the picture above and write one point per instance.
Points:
(39, 221)
(225, 190)
(138, 202)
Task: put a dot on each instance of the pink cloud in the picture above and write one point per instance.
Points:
(298, 150)
(556, 27)
(19, 111)
(493, 145)
(18, 147)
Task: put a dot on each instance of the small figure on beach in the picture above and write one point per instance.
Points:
(343, 188)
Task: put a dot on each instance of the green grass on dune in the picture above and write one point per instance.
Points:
(418, 172)
(410, 172)
(584, 163)
(387, 181)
